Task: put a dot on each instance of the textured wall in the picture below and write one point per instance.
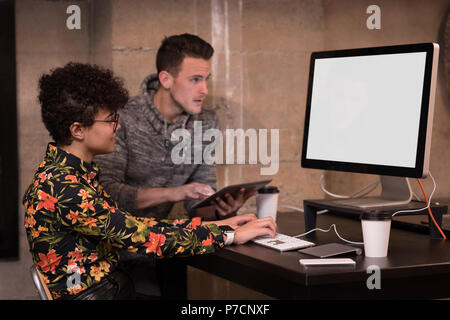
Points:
(260, 72)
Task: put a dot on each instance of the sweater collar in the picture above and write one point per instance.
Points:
(148, 88)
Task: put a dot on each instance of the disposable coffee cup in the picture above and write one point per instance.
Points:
(267, 202)
(376, 227)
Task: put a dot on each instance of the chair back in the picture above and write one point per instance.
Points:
(39, 282)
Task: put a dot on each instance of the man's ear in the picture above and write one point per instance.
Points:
(77, 130)
(166, 79)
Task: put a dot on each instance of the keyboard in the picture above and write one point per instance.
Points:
(282, 242)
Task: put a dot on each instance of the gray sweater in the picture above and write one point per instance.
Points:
(142, 154)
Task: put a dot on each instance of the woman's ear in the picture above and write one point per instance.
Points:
(166, 79)
(77, 131)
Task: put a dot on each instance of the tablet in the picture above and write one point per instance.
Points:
(233, 190)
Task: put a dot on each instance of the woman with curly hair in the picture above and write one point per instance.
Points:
(74, 228)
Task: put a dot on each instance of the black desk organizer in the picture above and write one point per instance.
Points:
(311, 207)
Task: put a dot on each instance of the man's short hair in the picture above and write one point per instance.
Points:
(175, 48)
(74, 93)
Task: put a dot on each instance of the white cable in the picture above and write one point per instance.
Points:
(292, 208)
(334, 226)
(327, 192)
(429, 200)
(335, 230)
(356, 194)
(300, 210)
(372, 187)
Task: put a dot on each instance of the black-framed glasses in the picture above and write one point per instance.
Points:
(114, 120)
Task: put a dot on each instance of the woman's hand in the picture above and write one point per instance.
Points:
(255, 228)
(236, 221)
(247, 227)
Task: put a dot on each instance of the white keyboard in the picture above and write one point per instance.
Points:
(282, 242)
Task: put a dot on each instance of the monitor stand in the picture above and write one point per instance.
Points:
(395, 191)
(413, 208)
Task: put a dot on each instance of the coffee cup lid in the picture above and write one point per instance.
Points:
(376, 215)
(269, 189)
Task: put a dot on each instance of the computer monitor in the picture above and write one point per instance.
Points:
(370, 110)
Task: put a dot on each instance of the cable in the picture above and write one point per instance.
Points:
(429, 210)
(335, 230)
(375, 184)
(292, 208)
(372, 186)
(428, 202)
(300, 210)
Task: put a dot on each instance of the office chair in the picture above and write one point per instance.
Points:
(39, 282)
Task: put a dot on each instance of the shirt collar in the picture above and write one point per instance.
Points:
(63, 158)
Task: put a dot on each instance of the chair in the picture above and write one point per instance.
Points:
(39, 282)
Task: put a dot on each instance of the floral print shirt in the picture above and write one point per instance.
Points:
(74, 228)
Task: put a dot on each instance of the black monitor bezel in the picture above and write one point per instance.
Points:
(415, 172)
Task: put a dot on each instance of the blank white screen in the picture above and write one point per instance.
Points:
(367, 109)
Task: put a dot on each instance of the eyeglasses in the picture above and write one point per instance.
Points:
(114, 120)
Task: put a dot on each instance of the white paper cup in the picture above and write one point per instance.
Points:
(376, 227)
(267, 202)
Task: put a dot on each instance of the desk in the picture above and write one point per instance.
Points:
(416, 267)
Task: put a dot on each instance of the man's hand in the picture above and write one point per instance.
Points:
(191, 191)
(153, 196)
(235, 221)
(232, 205)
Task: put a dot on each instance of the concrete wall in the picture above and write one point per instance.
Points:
(260, 72)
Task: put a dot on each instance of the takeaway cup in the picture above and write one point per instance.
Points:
(267, 202)
(376, 227)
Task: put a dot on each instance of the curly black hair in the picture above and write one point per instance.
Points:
(74, 93)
